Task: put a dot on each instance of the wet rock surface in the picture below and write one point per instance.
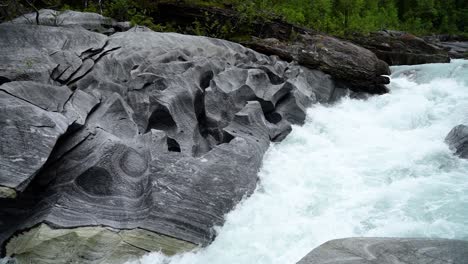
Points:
(157, 133)
(457, 139)
(389, 251)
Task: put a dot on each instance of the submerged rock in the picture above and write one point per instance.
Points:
(457, 139)
(389, 251)
(152, 136)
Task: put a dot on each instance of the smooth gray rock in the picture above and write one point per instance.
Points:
(457, 139)
(31, 122)
(45, 54)
(140, 130)
(389, 251)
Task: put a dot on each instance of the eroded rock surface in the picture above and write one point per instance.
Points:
(159, 134)
(389, 251)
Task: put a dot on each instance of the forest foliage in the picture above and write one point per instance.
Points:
(337, 17)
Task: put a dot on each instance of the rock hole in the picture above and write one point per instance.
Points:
(4, 80)
(173, 145)
(160, 84)
(161, 119)
(205, 79)
(227, 137)
(267, 106)
(274, 79)
(96, 181)
(273, 118)
(285, 98)
(135, 67)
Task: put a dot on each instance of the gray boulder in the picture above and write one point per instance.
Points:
(137, 142)
(389, 251)
(457, 139)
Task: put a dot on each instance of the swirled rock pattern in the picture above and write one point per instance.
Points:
(155, 134)
(389, 251)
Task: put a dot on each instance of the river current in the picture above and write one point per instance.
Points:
(375, 167)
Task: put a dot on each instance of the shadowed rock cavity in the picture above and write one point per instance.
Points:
(141, 136)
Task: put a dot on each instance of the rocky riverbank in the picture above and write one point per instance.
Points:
(118, 144)
(115, 146)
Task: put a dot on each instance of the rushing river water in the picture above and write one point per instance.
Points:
(376, 167)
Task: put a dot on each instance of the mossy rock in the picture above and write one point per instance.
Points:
(43, 244)
(7, 193)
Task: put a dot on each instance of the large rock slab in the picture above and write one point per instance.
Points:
(160, 134)
(33, 117)
(45, 54)
(389, 251)
(456, 49)
(456, 45)
(401, 48)
(344, 61)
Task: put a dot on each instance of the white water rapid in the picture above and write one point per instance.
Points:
(376, 167)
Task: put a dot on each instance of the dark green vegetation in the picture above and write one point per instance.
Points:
(337, 17)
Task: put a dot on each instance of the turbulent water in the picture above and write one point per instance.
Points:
(376, 167)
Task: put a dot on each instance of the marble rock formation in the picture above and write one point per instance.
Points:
(115, 146)
(389, 251)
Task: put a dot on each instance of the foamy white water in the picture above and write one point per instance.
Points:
(377, 167)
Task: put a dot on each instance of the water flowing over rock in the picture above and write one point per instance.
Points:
(389, 251)
(141, 141)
